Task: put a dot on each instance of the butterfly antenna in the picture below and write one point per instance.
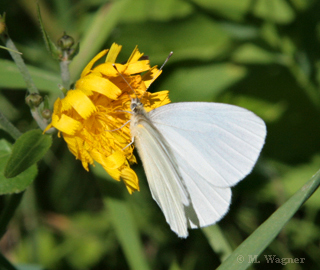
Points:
(165, 61)
(114, 66)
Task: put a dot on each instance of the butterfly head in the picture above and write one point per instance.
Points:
(136, 105)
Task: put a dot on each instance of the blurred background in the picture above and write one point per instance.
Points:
(259, 54)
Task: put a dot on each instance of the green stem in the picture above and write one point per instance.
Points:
(5, 48)
(20, 64)
(32, 89)
(8, 127)
(65, 74)
(8, 212)
(5, 264)
(42, 123)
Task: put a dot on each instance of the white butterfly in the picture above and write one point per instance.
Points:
(192, 153)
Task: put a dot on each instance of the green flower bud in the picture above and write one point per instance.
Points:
(46, 113)
(34, 100)
(65, 42)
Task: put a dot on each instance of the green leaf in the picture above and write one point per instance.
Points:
(127, 233)
(27, 150)
(232, 9)
(8, 49)
(252, 247)
(165, 10)
(10, 77)
(278, 11)
(291, 180)
(18, 183)
(201, 83)
(252, 54)
(51, 46)
(210, 43)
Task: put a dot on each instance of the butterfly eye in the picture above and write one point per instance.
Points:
(134, 107)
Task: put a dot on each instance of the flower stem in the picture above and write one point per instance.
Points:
(32, 89)
(42, 123)
(65, 74)
(20, 64)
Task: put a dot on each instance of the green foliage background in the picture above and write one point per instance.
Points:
(260, 54)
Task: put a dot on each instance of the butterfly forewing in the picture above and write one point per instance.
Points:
(164, 179)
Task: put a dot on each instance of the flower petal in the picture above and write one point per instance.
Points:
(108, 70)
(151, 75)
(113, 161)
(130, 179)
(94, 82)
(138, 67)
(113, 53)
(80, 102)
(66, 124)
(135, 56)
(91, 63)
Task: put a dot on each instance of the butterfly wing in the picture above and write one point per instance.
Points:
(215, 146)
(165, 182)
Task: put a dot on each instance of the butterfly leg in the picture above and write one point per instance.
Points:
(132, 141)
(110, 130)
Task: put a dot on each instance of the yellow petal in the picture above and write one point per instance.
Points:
(111, 163)
(114, 173)
(135, 56)
(66, 124)
(138, 67)
(151, 75)
(108, 69)
(91, 63)
(130, 179)
(74, 144)
(94, 82)
(114, 161)
(47, 128)
(113, 53)
(80, 102)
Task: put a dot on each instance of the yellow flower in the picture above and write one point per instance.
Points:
(93, 117)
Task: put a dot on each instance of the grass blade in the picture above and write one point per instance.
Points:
(252, 247)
